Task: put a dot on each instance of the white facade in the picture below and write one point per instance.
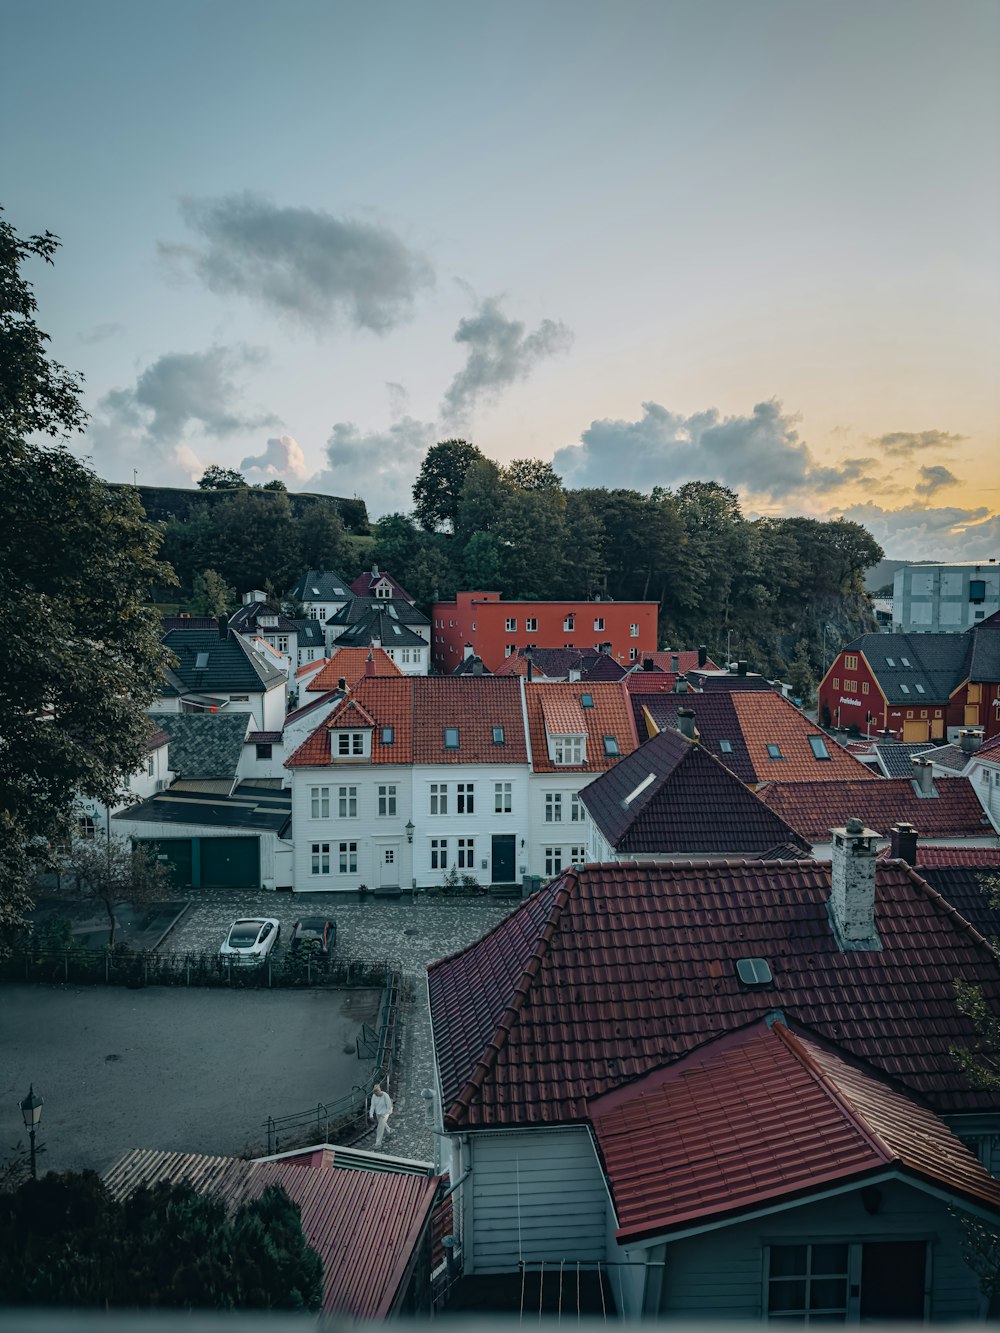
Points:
(94, 817)
(932, 599)
(412, 661)
(984, 774)
(558, 825)
(275, 853)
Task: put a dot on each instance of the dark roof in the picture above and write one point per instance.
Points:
(611, 972)
(601, 666)
(725, 682)
(190, 622)
(321, 585)
(204, 745)
(467, 667)
(938, 663)
(388, 630)
(228, 665)
(157, 739)
(985, 664)
(365, 583)
(554, 663)
(247, 620)
(951, 757)
(249, 807)
(310, 633)
(360, 608)
(692, 805)
(969, 889)
(950, 810)
(896, 757)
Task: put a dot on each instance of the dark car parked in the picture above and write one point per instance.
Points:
(317, 933)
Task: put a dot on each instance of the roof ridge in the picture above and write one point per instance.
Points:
(505, 1023)
(939, 901)
(796, 1048)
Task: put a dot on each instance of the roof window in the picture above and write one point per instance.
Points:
(647, 780)
(890, 661)
(919, 688)
(904, 661)
(819, 747)
(586, 701)
(498, 737)
(904, 688)
(201, 662)
(754, 971)
(774, 751)
(726, 747)
(451, 738)
(388, 736)
(611, 746)
(316, 592)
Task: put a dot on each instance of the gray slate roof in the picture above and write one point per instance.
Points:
(321, 585)
(896, 757)
(251, 806)
(245, 620)
(985, 654)
(360, 608)
(916, 668)
(388, 630)
(310, 633)
(227, 664)
(949, 756)
(204, 745)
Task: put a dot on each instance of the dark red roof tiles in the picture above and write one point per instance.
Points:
(352, 665)
(550, 703)
(614, 971)
(952, 810)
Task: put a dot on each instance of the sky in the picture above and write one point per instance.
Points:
(750, 241)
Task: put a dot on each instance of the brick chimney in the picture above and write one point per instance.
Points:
(370, 664)
(223, 623)
(903, 843)
(342, 684)
(702, 655)
(923, 776)
(685, 722)
(852, 896)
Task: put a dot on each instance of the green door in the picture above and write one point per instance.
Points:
(503, 858)
(230, 863)
(175, 854)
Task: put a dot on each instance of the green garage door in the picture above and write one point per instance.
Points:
(176, 855)
(230, 863)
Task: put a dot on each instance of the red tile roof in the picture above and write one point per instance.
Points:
(686, 660)
(418, 709)
(351, 663)
(157, 739)
(309, 667)
(613, 971)
(611, 715)
(990, 748)
(759, 1117)
(987, 858)
(651, 682)
(813, 808)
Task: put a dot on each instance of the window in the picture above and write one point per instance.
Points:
(553, 807)
(282, 643)
(466, 854)
(909, 712)
(577, 856)
(633, 631)
(918, 687)
(905, 688)
(387, 800)
(864, 687)
(350, 743)
(836, 682)
(937, 712)
(86, 828)
(320, 858)
(726, 747)
(451, 738)
(611, 747)
(633, 654)
(150, 765)
(890, 661)
(348, 858)
(531, 623)
(819, 749)
(904, 661)
(851, 685)
(439, 853)
(553, 861)
(347, 802)
(263, 751)
(577, 810)
(319, 802)
(502, 798)
(239, 698)
(586, 701)
(568, 749)
(509, 649)
(850, 662)
(977, 590)
(439, 798)
(511, 625)
(774, 752)
(498, 736)
(599, 623)
(569, 624)
(388, 736)
(465, 798)
(807, 1282)
(923, 712)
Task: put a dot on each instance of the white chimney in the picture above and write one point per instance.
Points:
(852, 897)
(467, 652)
(685, 722)
(923, 776)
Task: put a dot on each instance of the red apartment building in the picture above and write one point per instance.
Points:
(495, 628)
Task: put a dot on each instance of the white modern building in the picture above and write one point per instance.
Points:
(933, 598)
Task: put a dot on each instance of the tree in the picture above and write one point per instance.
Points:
(800, 675)
(111, 870)
(82, 656)
(439, 482)
(216, 478)
(323, 540)
(213, 596)
(532, 474)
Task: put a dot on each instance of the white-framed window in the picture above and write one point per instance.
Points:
(281, 643)
(569, 623)
(387, 800)
(350, 743)
(553, 807)
(599, 623)
(531, 624)
(510, 625)
(320, 859)
(837, 1281)
(239, 698)
(553, 861)
(314, 613)
(86, 828)
(466, 859)
(465, 798)
(439, 853)
(347, 802)
(567, 750)
(383, 590)
(502, 797)
(319, 802)
(509, 649)
(633, 631)
(150, 765)
(633, 654)
(577, 856)
(348, 862)
(439, 798)
(577, 810)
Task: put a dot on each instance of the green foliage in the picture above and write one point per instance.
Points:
(213, 596)
(82, 652)
(67, 1242)
(439, 482)
(216, 478)
(979, 1062)
(800, 675)
(981, 1252)
(111, 870)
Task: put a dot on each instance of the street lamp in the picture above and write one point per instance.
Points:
(31, 1112)
(409, 826)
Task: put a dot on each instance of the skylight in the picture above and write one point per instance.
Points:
(919, 688)
(201, 662)
(650, 777)
(586, 701)
(905, 661)
(388, 736)
(726, 747)
(905, 688)
(396, 629)
(774, 752)
(315, 592)
(498, 738)
(611, 745)
(819, 747)
(451, 738)
(890, 661)
(754, 971)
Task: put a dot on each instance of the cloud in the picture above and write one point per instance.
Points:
(399, 399)
(283, 457)
(934, 478)
(903, 443)
(144, 426)
(301, 263)
(915, 532)
(498, 354)
(380, 465)
(760, 453)
(100, 333)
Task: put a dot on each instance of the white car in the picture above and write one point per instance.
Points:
(251, 939)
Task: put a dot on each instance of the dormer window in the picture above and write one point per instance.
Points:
(351, 744)
(383, 589)
(568, 750)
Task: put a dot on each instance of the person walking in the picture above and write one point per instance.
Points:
(380, 1110)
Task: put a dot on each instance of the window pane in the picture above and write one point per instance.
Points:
(790, 1260)
(828, 1293)
(787, 1295)
(827, 1259)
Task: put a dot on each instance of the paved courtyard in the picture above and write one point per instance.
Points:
(408, 934)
